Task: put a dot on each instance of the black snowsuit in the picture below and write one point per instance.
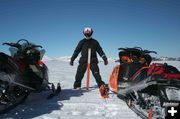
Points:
(83, 47)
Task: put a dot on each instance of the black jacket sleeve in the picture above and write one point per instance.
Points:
(77, 50)
(100, 51)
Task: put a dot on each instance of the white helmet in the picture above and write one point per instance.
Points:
(88, 31)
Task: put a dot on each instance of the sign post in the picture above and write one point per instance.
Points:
(88, 69)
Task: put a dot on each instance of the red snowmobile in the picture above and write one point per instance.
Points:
(21, 73)
(146, 88)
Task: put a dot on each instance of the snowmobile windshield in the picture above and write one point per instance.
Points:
(129, 56)
(13, 51)
(42, 52)
(29, 47)
(134, 55)
(32, 49)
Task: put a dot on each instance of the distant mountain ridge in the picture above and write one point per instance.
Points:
(67, 58)
(110, 59)
(166, 59)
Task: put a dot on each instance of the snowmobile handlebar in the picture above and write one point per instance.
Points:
(19, 46)
(30, 45)
(13, 45)
(134, 48)
(147, 52)
(139, 49)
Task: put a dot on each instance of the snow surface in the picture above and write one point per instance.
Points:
(73, 104)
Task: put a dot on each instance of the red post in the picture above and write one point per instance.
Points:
(88, 69)
(150, 113)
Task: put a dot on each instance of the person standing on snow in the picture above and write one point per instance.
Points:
(83, 46)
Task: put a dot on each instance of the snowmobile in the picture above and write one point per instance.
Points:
(147, 88)
(21, 72)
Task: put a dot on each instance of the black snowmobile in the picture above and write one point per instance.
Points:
(147, 88)
(21, 73)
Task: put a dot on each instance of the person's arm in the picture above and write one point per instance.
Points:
(101, 53)
(76, 52)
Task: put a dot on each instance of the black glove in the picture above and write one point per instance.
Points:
(71, 63)
(105, 60)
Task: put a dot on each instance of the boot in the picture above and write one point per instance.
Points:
(104, 91)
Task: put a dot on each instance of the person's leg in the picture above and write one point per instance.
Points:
(103, 89)
(96, 74)
(80, 74)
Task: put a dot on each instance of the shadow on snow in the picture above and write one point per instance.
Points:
(37, 105)
(66, 94)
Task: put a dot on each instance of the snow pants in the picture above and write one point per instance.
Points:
(81, 71)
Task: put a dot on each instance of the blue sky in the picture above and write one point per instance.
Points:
(57, 24)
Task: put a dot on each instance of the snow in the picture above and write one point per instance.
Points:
(46, 58)
(70, 103)
(67, 59)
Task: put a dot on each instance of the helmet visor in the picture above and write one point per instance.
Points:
(87, 32)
